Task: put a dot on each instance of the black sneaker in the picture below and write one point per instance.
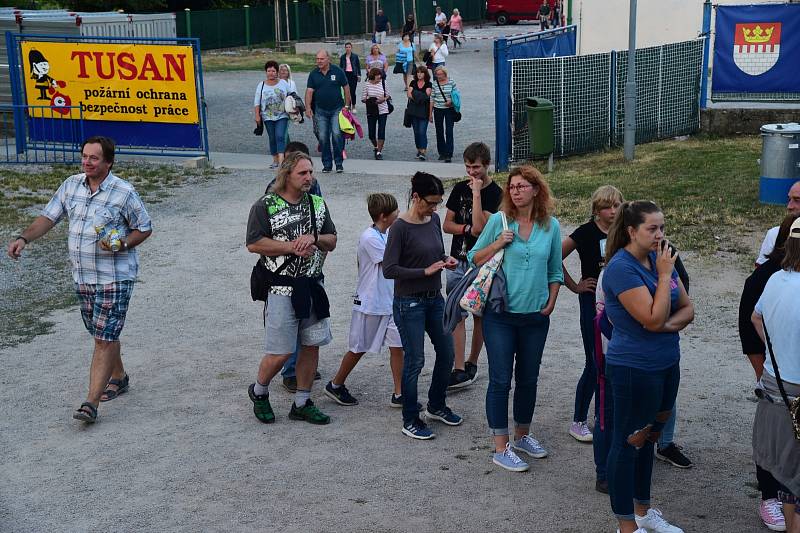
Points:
(601, 485)
(397, 402)
(672, 454)
(339, 169)
(317, 376)
(458, 380)
(421, 157)
(326, 169)
(340, 394)
(290, 383)
(471, 369)
(378, 156)
(441, 158)
(448, 160)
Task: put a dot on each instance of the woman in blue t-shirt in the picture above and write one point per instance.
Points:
(648, 305)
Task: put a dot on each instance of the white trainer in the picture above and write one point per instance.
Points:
(654, 522)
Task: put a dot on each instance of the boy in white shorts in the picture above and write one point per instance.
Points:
(372, 326)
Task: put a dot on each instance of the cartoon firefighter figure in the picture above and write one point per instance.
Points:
(46, 85)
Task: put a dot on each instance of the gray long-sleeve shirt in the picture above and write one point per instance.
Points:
(410, 249)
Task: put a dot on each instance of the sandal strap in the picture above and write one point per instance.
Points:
(116, 382)
(92, 410)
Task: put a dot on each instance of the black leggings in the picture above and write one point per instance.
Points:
(767, 484)
(380, 121)
(352, 80)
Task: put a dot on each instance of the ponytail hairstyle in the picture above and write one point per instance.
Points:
(424, 184)
(630, 215)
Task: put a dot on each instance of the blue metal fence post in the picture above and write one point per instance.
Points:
(706, 53)
(17, 93)
(502, 135)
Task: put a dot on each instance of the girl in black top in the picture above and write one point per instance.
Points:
(590, 241)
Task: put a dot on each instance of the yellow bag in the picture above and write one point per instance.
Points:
(345, 125)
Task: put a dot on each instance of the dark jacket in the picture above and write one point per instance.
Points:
(353, 60)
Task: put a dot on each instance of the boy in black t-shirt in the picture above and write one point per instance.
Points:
(469, 206)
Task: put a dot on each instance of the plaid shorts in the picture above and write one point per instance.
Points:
(103, 308)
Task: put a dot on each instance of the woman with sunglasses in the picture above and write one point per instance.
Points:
(515, 337)
(414, 258)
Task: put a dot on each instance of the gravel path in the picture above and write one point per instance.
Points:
(182, 452)
(230, 106)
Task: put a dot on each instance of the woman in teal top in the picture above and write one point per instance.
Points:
(405, 58)
(532, 267)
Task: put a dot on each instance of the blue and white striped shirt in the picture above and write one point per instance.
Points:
(115, 199)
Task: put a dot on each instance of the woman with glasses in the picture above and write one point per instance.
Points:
(415, 258)
(515, 337)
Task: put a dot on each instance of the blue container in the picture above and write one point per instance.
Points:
(780, 161)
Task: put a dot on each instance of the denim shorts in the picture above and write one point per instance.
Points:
(284, 330)
(103, 308)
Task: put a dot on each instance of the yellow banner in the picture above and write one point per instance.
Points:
(128, 82)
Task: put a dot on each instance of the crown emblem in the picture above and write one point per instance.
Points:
(758, 35)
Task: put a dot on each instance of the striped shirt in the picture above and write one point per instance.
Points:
(115, 200)
(436, 93)
(376, 90)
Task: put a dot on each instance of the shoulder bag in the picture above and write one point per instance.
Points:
(389, 101)
(456, 114)
(260, 126)
(477, 294)
(793, 406)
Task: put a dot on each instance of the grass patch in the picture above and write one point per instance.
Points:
(707, 188)
(244, 59)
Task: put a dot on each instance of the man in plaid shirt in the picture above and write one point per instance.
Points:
(103, 276)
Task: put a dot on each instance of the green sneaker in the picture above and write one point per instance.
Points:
(261, 407)
(310, 413)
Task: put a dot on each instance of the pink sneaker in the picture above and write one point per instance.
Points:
(771, 513)
(580, 431)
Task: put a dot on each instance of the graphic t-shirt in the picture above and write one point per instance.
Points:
(632, 345)
(271, 99)
(374, 293)
(460, 203)
(275, 218)
(590, 242)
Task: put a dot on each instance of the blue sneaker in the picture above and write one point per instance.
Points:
(509, 460)
(444, 415)
(417, 429)
(531, 446)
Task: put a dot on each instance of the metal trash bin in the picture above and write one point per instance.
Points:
(780, 161)
(540, 126)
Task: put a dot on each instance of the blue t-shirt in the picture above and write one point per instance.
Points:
(327, 88)
(632, 345)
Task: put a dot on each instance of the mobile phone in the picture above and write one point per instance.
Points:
(663, 244)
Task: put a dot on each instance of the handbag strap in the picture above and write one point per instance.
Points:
(775, 368)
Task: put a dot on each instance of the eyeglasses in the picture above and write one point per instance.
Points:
(431, 204)
(519, 188)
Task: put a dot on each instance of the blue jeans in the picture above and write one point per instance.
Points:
(586, 384)
(443, 120)
(330, 136)
(669, 430)
(276, 130)
(288, 370)
(638, 397)
(511, 337)
(420, 127)
(415, 317)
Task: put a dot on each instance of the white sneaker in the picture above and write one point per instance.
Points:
(640, 530)
(654, 522)
(580, 431)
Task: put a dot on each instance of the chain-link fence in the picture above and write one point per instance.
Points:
(588, 96)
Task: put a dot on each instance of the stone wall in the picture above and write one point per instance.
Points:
(743, 121)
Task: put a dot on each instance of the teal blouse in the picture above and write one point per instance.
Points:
(530, 266)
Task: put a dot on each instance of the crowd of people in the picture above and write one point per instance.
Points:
(432, 96)
(633, 295)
